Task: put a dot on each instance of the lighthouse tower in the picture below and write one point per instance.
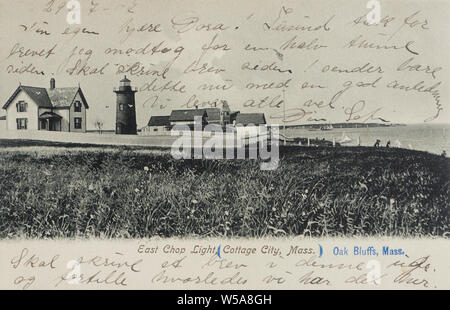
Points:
(125, 108)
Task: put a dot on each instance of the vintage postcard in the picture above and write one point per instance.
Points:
(224, 145)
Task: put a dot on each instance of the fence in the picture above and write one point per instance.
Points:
(104, 139)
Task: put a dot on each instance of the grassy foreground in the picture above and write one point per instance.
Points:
(352, 191)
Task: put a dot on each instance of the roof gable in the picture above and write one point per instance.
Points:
(83, 98)
(62, 97)
(37, 94)
(49, 115)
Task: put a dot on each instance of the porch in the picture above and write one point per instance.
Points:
(50, 121)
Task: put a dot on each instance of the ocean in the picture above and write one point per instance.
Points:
(433, 138)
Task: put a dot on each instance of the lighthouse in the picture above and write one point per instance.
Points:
(125, 108)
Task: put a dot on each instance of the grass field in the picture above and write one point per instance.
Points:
(118, 192)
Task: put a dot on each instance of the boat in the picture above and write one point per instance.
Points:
(327, 127)
(345, 138)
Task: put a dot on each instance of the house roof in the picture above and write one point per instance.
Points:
(250, 118)
(159, 121)
(49, 98)
(62, 97)
(37, 94)
(212, 114)
(186, 115)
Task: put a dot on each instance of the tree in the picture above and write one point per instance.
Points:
(99, 125)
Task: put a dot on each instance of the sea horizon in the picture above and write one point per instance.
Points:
(433, 138)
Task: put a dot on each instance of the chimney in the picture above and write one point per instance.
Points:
(52, 83)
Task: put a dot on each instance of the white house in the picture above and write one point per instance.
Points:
(51, 109)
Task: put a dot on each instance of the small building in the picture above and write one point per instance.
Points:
(157, 125)
(50, 109)
(246, 119)
(249, 124)
(213, 116)
(221, 116)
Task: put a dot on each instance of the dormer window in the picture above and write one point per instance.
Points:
(77, 106)
(21, 106)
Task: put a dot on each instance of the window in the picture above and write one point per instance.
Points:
(21, 123)
(78, 122)
(121, 107)
(155, 129)
(43, 124)
(21, 106)
(77, 106)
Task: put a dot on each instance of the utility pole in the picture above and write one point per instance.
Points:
(284, 116)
